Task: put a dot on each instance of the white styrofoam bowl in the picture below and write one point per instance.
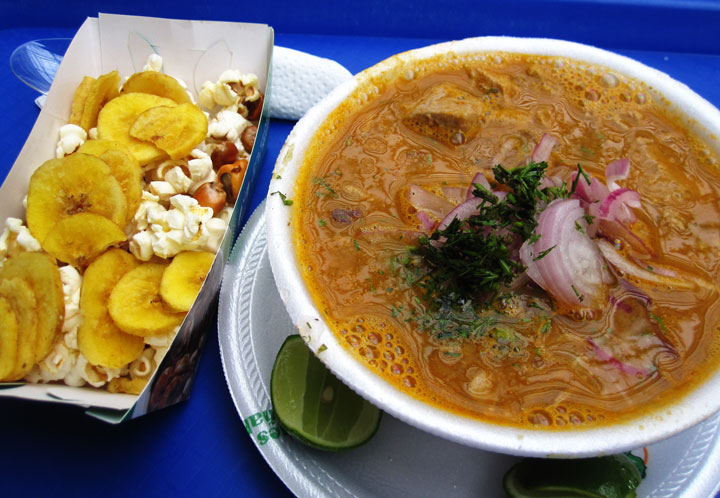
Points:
(641, 431)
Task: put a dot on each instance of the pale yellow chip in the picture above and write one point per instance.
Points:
(99, 339)
(176, 130)
(98, 146)
(158, 84)
(79, 99)
(183, 278)
(77, 183)
(118, 115)
(21, 299)
(127, 385)
(136, 305)
(102, 90)
(80, 238)
(40, 272)
(9, 329)
(126, 170)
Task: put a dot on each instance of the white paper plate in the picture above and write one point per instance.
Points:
(400, 461)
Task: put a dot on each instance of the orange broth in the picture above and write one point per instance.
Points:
(533, 367)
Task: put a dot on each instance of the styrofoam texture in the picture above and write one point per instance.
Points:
(642, 431)
(301, 80)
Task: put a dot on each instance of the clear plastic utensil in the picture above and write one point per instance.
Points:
(36, 62)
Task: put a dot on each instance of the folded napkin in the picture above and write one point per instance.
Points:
(300, 80)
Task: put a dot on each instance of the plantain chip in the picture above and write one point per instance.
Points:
(176, 130)
(80, 238)
(20, 297)
(9, 329)
(41, 273)
(79, 99)
(99, 339)
(158, 84)
(118, 115)
(136, 306)
(102, 90)
(76, 183)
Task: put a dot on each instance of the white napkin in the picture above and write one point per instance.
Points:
(300, 80)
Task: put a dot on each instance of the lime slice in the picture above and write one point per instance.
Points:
(614, 476)
(313, 405)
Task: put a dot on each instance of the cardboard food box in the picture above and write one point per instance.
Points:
(194, 52)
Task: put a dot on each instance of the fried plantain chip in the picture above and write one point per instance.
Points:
(99, 339)
(158, 84)
(102, 90)
(41, 273)
(76, 183)
(80, 238)
(79, 99)
(118, 115)
(176, 130)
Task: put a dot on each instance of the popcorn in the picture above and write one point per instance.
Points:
(71, 282)
(201, 168)
(229, 125)
(177, 178)
(71, 137)
(16, 233)
(154, 63)
(224, 92)
(144, 365)
(168, 232)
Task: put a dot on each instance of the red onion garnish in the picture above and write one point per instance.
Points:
(616, 170)
(616, 206)
(628, 269)
(455, 195)
(625, 368)
(422, 200)
(461, 212)
(542, 150)
(480, 180)
(426, 221)
(564, 260)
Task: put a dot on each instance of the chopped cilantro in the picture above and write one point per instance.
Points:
(285, 200)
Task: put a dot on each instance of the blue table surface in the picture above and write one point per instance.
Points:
(200, 447)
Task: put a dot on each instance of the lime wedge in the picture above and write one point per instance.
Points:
(614, 476)
(313, 405)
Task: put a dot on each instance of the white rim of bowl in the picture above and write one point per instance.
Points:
(652, 427)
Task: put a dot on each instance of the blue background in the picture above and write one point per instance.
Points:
(200, 447)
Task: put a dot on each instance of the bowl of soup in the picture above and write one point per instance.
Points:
(510, 243)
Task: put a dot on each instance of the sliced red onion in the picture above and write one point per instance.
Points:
(461, 212)
(627, 268)
(591, 193)
(455, 195)
(625, 368)
(422, 200)
(542, 150)
(480, 179)
(426, 221)
(550, 181)
(573, 271)
(616, 170)
(616, 206)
